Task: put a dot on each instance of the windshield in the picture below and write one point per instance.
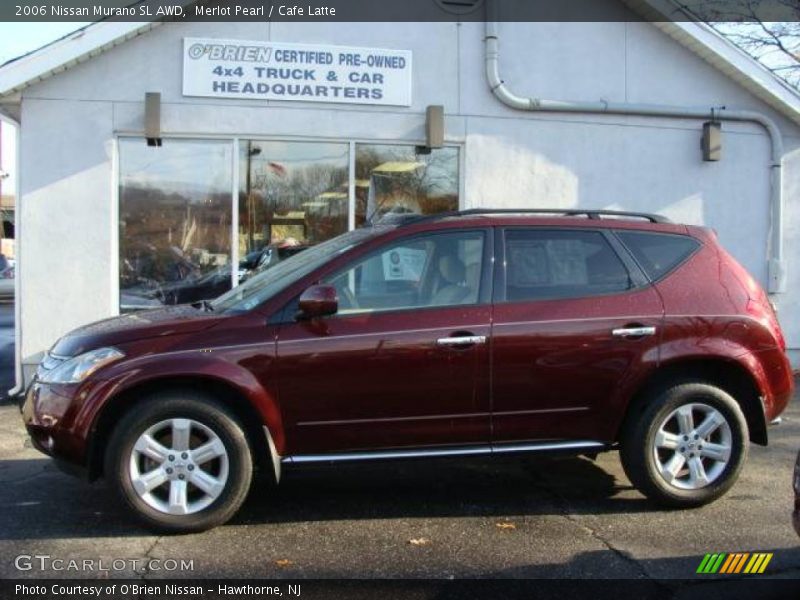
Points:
(266, 284)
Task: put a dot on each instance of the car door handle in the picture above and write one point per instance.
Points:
(633, 332)
(462, 340)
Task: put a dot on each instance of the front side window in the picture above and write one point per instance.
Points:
(266, 284)
(423, 271)
(550, 264)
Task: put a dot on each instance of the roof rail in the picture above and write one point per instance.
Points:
(404, 219)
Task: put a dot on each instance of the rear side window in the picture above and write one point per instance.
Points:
(542, 264)
(658, 253)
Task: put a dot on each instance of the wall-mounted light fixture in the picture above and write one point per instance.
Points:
(152, 118)
(711, 142)
(434, 126)
(434, 129)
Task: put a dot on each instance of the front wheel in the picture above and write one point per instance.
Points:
(687, 447)
(181, 461)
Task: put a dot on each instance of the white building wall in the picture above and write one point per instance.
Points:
(510, 158)
(65, 215)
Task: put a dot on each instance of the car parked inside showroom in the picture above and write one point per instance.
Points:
(270, 255)
(480, 332)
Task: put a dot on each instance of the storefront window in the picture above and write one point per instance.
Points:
(291, 195)
(176, 206)
(175, 221)
(400, 179)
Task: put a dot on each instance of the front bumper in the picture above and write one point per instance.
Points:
(48, 413)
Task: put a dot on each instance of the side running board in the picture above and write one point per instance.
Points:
(573, 446)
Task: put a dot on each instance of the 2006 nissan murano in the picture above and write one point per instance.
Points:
(478, 332)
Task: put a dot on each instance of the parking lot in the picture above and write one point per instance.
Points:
(505, 518)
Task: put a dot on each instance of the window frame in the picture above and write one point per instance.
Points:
(635, 273)
(116, 208)
(234, 141)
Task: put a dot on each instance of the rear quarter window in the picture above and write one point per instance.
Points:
(658, 253)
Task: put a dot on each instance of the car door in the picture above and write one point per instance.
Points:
(404, 362)
(575, 322)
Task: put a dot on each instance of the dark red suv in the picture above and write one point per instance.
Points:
(479, 332)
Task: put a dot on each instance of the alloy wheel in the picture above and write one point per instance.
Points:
(692, 446)
(179, 466)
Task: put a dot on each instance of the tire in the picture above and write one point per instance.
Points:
(169, 486)
(655, 468)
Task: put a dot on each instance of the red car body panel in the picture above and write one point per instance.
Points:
(552, 370)
(714, 308)
(372, 381)
(558, 372)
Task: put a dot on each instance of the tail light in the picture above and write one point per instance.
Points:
(763, 308)
(759, 305)
(778, 332)
(775, 327)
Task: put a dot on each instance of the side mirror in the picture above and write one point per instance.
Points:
(318, 301)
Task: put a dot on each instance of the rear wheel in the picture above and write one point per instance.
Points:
(181, 461)
(687, 447)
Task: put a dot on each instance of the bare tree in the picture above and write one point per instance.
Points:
(768, 30)
(775, 45)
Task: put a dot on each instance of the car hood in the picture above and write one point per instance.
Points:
(160, 322)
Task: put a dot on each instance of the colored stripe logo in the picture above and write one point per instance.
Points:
(735, 562)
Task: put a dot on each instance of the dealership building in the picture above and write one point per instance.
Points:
(155, 159)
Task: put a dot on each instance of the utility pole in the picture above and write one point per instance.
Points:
(251, 205)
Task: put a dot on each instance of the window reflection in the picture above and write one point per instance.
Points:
(176, 206)
(175, 221)
(400, 179)
(292, 195)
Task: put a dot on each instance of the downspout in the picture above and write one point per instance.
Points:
(776, 268)
(18, 378)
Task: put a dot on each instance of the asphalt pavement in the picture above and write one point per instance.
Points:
(493, 518)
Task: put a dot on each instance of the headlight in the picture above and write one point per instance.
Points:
(78, 368)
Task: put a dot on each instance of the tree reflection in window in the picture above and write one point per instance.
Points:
(291, 193)
(401, 179)
(175, 221)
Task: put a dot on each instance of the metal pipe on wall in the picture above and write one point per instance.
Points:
(776, 268)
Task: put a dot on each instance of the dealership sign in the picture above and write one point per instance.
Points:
(306, 72)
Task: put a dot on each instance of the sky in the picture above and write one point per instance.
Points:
(19, 38)
(16, 39)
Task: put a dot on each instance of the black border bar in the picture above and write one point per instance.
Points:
(709, 588)
(399, 10)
